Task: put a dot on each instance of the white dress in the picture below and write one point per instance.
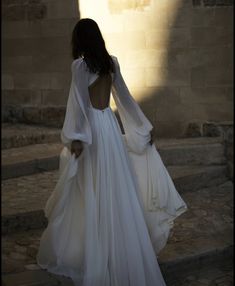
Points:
(113, 203)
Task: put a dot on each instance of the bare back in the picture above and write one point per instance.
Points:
(99, 91)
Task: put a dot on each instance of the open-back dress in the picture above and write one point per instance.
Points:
(112, 208)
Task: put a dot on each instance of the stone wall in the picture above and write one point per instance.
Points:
(36, 58)
(225, 131)
(176, 57)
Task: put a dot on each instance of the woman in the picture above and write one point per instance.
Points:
(97, 232)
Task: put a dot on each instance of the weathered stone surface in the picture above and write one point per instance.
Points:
(193, 178)
(116, 7)
(201, 236)
(23, 203)
(21, 97)
(11, 113)
(210, 3)
(30, 159)
(201, 154)
(194, 129)
(30, 278)
(19, 135)
(164, 43)
(36, 11)
(53, 116)
(32, 115)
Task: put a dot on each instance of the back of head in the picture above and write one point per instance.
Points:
(87, 42)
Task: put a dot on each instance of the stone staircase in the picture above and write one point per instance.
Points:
(30, 159)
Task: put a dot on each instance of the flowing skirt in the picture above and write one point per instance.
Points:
(99, 232)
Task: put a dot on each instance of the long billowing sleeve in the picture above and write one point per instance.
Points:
(76, 125)
(136, 126)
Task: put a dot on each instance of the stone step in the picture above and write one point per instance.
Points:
(191, 178)
(19, 135)
(219, 272)
(201, 236)
(31, 159)
(25, 197)
(192, 151)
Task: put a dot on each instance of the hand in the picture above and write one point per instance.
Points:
(153, 136)
(76, 148)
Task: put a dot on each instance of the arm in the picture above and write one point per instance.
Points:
(136, 125)
(76, 127)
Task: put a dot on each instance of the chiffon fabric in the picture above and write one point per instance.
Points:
(112, 208)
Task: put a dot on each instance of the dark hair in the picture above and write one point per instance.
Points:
(87, 42)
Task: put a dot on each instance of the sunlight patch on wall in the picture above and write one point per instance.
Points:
(137, 32)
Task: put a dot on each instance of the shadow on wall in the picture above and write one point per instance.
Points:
(196, 74)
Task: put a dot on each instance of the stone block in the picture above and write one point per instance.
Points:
(159, 20)
(221, 17)
(176, 112)
(134, 77)
(197, 57)
(30, 277)
(210, 36)
(164, 94)
(41, 81)
(54, 97)
(220, 76)
(14, 12)
(23, 29)
(58, 9)
(111, 24)
(36, 46)
(32, 115)
(213, 112)
(7, 82)
(133, 40)
(180, 16)
(178, 58)
(223, 129)
(17, 64)
(36, 11)
(198, 17)
(114, 43)
(138, 21)
(179, 38)
(156, 77)
(230, 170)
(53, 116)
(198, 76)
(212, 130)
(169, 129)
(194, 129)
(56, 28)
(117, 7)
(177, 76)
(213, 56)
(193, 155)
(207, 95)
(17, 47)
(157, 38)
(224, 16)
(197, 37)
(145, 58)
(21, 97)
(230, 93)
(209, 17)
(23, 81)
(12, 113)
(53, 63)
